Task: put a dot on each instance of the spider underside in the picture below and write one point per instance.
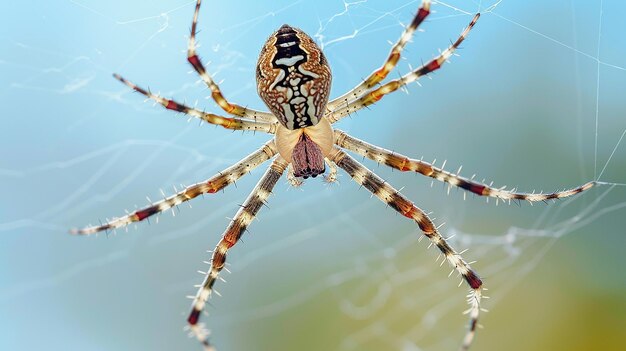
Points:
(294, 79)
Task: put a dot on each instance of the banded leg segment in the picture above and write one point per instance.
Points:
(231, 236)
(403, 163)
(375, 95)
(226, 122)
(392, 60)
(216, 93)
(209, 186)
(398, 202)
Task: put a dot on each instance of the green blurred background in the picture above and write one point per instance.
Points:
(324, 267)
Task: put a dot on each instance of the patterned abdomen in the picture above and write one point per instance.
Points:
(293, 78)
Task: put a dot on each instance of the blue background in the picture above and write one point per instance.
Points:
(325, 267)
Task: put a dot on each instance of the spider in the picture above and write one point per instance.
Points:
(293, 79)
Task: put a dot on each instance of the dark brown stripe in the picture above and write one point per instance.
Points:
(419, 18)
(147, 212)
(445, 248)
(219, 259)
(473, 280)
(195, 62)
(193, 317)
(173, 105)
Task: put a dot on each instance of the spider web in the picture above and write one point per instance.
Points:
(534, 101)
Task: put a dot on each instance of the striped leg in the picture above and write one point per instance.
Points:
(394, 55)
(404, 164)
(228, 123)
(231, 236)
(216, 93)
(209, 186)
(375, 95)
(398, 202)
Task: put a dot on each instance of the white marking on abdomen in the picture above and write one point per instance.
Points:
(312, 110)
(288, 115)
(306, 72)
(289, 61)
(279, 78)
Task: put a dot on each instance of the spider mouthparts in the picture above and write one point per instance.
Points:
(307, 158)
(306, 173)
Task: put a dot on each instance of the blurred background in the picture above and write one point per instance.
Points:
(535, 100)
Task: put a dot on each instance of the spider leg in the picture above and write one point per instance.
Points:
(226, 122)
(292, 179)
(375, 95)
(398, 202)
(216, 93)
(391, 62)
(231, 236)
(331, 177)
(209, 186)
(403, 163)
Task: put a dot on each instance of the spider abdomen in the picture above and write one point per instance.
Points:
(293, 78)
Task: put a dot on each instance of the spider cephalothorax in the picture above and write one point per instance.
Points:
(293, 79)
